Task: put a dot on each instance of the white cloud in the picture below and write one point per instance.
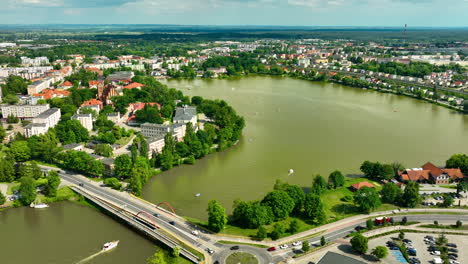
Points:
(37, 3)
(316, 3)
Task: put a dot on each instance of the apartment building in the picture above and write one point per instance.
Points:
(23, 111)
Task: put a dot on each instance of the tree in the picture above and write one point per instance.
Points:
(135, 184)
(2, 132)
(27, 190)
(458, 161)
(359, 243)
(411, 197)
(53, 182)
(458, 224)
(114, 183)
(305, 245)
(123, 166)
(278, 231)
(280, 203)
(369, 224)
(217, 218)
(448, 200)
(404, 220)
(36, 172)
(157, 258)
(401, 235)
(314, 209)
(323, 241)
(20, 151)
(391, 193)
(251, 214)
(103, 150)
(336, 179)
(462, 186)
(397, 166)
(262, 233)
(319, 185)
(294, 226)
(377, 171)
(175, 251)
(7, 169)
(367, 199)
(380, 252)
(294, 191)
(2, 198)
(71, 131)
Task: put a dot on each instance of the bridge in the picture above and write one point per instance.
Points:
(146, 224)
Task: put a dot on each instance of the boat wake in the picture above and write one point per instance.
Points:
(90, 257)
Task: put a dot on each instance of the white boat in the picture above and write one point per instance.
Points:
(41, 205)
(110, 245)
(197, 195)
(291, 171)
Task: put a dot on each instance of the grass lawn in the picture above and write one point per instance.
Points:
(237, 243)
(241, 257)
(123, 141)
(449, 186)
(453, 227)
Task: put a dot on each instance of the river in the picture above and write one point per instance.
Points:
(311, 127)
(67, 233)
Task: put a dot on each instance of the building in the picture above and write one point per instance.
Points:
(432, 174)
(23, 111)
(334, 258)
(123, 76)
(86, 120)
(38, 61)
(359, 185)
(155, 145)
(185, 115)
(150, 130)
(52, 93)
(114, 117)
(42, 122)
(133, 85)
(92, 102)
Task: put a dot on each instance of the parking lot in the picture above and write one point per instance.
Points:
(421, 247)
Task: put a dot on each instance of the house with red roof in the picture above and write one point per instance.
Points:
(52, 93)
(359, 185)
(133, 85)
(95, 84)
(431, 173)
(92, 102)
(66, 85)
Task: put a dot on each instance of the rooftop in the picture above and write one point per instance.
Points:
(334, 258)
(48, 113)
(185, 113)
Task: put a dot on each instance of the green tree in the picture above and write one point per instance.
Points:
(367, 199)
(305, 245)
(458, 161)
(380, 252)
(314, 209)
(262, 232)
(359, 243)
(459, 224)
(27, 190)
(167, 156)
(53, 182)
(123, 166)
(36, 172)
(401, 235)
(391, 193)
(2, 198)
(462, 186)
(2, 132)
(157, 258)
(294, 226)
(103, 150)
(71, 131)
(323, 241)
(114, 183)
(411, 197)
(20, 151)
(369, 224)
(135, 184)
(7, 169)
(448, 200)
(377, 171)
(217, 218)
(280, 203)
(294, 191)
(175, 252)
(336, 179)
(319, 185)
(278, 231)
(10, 99)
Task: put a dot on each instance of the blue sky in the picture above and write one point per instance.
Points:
(426, 13)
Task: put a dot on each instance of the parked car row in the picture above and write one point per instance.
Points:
(285, 246)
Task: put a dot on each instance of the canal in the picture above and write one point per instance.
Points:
(311, 127)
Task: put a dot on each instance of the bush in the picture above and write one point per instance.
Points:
(360, 243)
(380, 252)
(189, 160)
(305, 246)
(347, 198)
(369, 224)
(459, 224)
(113, 183)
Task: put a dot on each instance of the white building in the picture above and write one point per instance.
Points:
(42, 122)
(38, 61)
(114, 117)
(185, 115)
(155, 145)
(23, 111)
(156, 130)
(86, 120)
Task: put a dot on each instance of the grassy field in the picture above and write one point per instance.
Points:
(237, 243)
(241, 257)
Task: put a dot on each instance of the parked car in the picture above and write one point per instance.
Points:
(156, 215)
(359, 228)
(435, 253)
(172, 223)
(210, 251)
(453, 254)
(283, 246)
(297, 243)
(234, 247)
(452, 261)
(452, 245)
(271, 249)
(412, 252)
(452, 257)
(453, 250)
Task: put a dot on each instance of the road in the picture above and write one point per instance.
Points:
(182, 230)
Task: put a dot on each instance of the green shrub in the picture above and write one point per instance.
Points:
(113, 183)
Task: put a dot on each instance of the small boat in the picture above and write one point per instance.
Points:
(197, 195)
(291, 171)
(41, 205)
(110, 245)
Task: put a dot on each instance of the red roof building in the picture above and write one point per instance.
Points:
(67, 85)
(92, 102)
(139, 106)
(133, 85)
(49, 93)
(431, 173)
(359, 185)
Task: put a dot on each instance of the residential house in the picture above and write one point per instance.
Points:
(86, 120)
(431, 174)
(91, 102)
(23, 111)
(359, 185)
(42, 122)
(185, 115)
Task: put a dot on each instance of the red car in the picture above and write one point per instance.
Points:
(271, 249)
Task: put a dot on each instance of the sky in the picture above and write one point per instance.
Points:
(370, 13)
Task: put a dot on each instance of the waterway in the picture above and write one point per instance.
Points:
(67, 233)
(311, 127)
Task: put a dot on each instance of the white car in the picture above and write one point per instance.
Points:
(297, 243)
(454, 262)
(435, 253)
(195, 232)
(283, 246)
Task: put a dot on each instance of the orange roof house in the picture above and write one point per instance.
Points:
(92, 102)
(431, 173)
(359, 185)
(134, 85)
(67, 84)
(49, 93)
